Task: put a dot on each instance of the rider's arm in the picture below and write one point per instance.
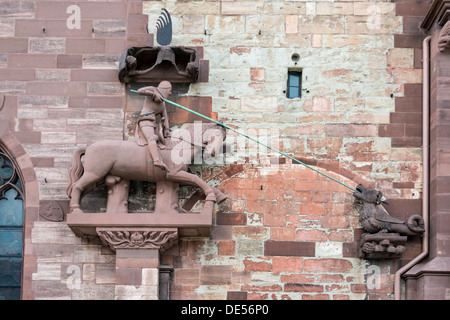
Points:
(166, 127)
(151, 92)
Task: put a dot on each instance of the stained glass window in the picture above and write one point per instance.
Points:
(11, 230)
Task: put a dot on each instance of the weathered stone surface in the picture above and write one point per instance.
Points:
(110, 28)
(100, 61)
(17, 9)
(47, 45)
(284, 233)
(53, 232)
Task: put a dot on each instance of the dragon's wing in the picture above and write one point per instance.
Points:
(382, 215)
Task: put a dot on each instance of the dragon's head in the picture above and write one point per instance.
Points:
(368, 195)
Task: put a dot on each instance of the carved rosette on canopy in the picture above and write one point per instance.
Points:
(138, 238)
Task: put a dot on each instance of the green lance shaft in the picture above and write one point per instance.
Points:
(255, 140)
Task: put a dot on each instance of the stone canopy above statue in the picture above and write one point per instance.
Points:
(176, 64)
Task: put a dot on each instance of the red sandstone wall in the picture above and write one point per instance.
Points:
(294, 238)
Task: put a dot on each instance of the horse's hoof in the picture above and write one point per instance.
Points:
(211, 197)
(76, 210)
(222, 198)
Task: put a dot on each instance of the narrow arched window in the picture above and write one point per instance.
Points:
(11, 229)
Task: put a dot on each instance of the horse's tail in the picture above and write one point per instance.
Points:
(77, 169)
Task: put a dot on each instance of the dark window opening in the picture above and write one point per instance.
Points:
(294, 85)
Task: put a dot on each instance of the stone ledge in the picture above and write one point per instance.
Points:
(437, 265)
(429, 280)
(188, 224)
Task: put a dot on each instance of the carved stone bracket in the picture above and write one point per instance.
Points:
(187, 224)
(138, 238)
(382, 245)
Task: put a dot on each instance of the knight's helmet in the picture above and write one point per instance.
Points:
(165, 89)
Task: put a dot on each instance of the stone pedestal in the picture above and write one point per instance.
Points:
(138, 240)
(137, 259)
(187, 224)
(137, 274)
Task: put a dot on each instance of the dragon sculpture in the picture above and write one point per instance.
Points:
(385, 235)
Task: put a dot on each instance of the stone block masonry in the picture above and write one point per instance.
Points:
(58, 75)
(357, 117)
(280, 243)
(68, 267)
(356, 76)
(65, 77)
(285, 232)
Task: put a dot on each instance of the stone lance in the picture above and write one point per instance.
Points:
(259, 142)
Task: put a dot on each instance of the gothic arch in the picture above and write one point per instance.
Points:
(12, 147)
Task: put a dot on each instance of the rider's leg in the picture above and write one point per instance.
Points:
(149, 131)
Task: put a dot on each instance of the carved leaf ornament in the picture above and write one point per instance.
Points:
(133, 239)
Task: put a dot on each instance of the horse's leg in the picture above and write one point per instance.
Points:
(82, 184)
(220, 196)
(184, 177)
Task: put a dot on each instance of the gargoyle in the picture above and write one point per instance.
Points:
(444, 38)
(374, 218)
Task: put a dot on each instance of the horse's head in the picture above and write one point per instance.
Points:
(213, 138)
(207, 138)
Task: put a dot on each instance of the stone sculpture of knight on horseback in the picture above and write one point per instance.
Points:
(148, 158)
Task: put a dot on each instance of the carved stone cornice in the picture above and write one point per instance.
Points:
(138, 238)
(439, 12)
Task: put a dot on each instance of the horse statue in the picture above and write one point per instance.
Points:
(116, 161)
